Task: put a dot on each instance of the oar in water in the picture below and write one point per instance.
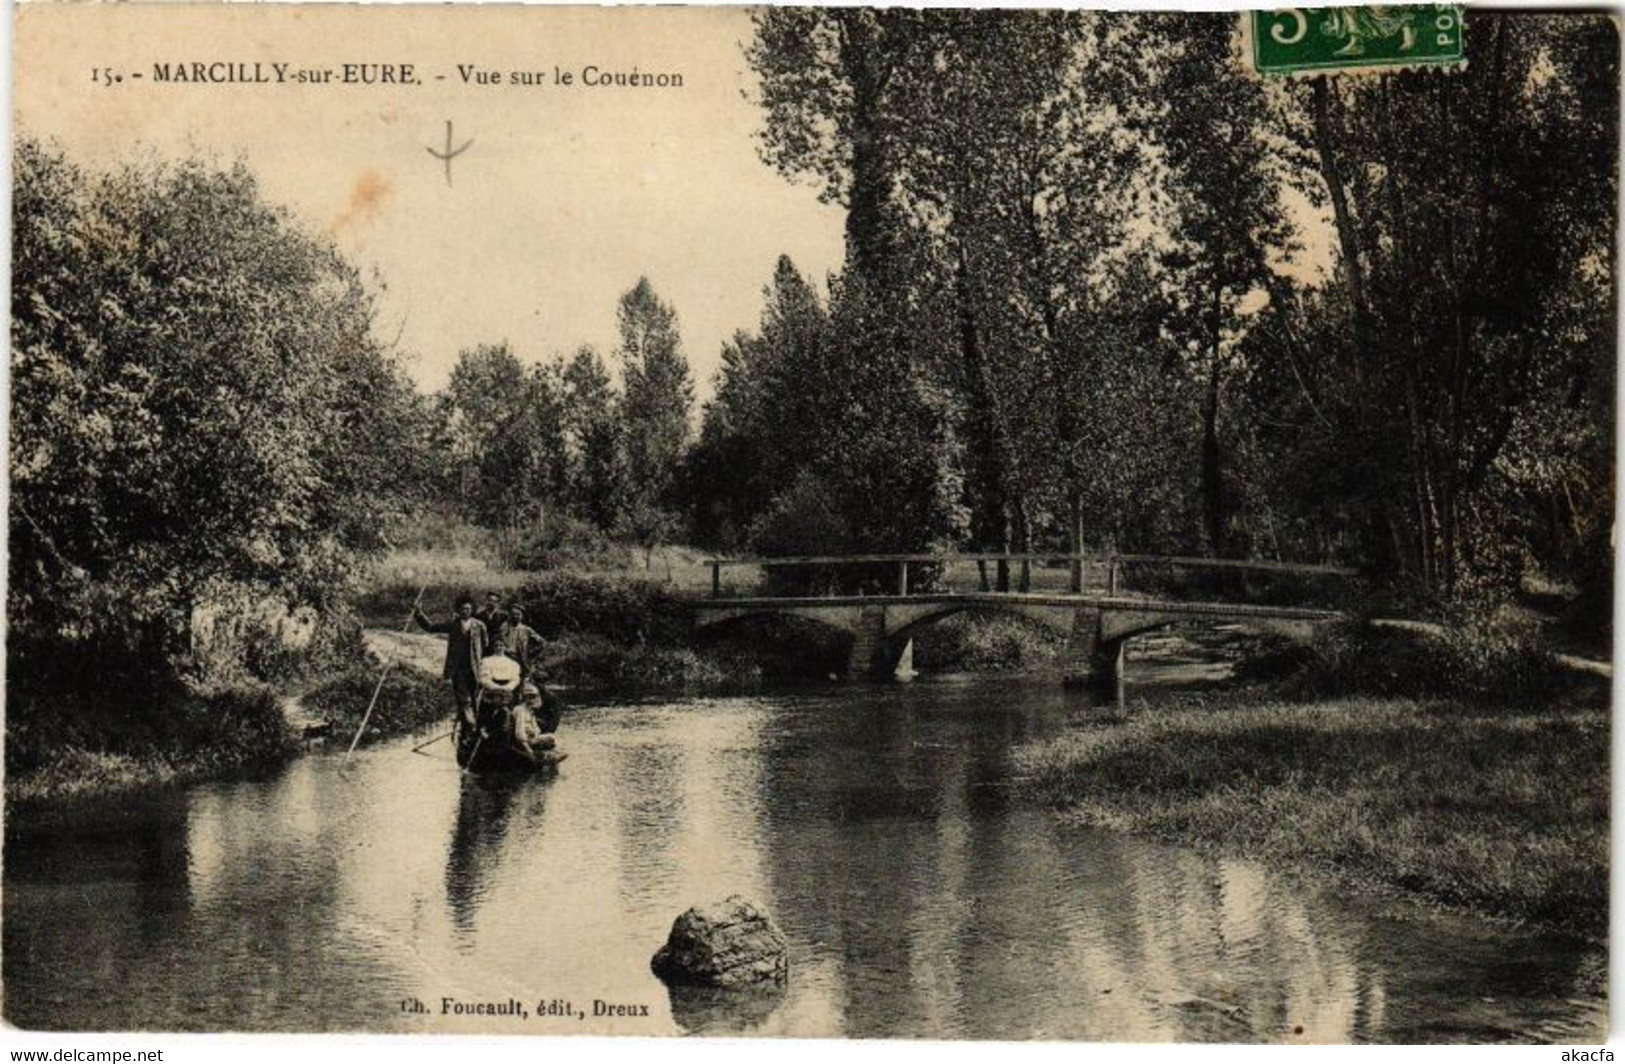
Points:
(430, 742)
(479, 696)
(474, 753)
(382, 676)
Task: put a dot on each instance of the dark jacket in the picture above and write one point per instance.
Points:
(496, 627)
(464, 646)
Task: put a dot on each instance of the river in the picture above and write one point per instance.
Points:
(875, 823)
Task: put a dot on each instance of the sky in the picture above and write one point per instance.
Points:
(564, 198)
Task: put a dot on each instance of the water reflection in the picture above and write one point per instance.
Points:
(708, 1011)
(483, 808)
(874, 823)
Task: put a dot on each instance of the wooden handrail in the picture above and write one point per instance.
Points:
(1233, 563)
(1099, 559)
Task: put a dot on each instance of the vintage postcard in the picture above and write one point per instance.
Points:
(835, 522)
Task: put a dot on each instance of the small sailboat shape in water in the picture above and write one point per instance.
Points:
(905, 664)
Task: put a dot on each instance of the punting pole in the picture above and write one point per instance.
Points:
(379, 686)
(478, 696)
(431, 742)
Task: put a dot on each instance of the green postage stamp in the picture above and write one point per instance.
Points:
(1296, 40)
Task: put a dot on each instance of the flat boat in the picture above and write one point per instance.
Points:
(490, 745)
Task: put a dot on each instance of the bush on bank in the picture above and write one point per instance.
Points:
(593, 663)
(986, 642)
(628, 610)
(205, 440)
(183, 732)
(408, 701)
(1475, 659)
(80, 722)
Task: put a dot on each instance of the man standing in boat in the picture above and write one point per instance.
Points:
(521, 642)
(495, 620)
(465, 646)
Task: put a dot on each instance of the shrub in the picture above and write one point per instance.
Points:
(985, 642)
(1484, 660)
(623, 609)
(777, 647)
(594, 663)
(563, 541)
(196, 401)
(407, 702)
(81, 744)
(442, 530)
(228, 727)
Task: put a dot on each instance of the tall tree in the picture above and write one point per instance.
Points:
(1221, 150)
(592, 426)
(832, 90)
(770, 412)
(1477, 271)
(837, 89)
(506, 427)
(658, 394)
(1022, 171)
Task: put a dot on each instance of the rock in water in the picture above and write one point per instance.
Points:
(730, 943)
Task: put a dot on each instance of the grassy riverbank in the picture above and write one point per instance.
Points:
(1496, 802)
(180, 735)
(81, 729)
(203, 734)
(409, 700)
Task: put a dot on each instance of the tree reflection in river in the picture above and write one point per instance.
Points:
(875, 823)
(483, 808)
(947, 909)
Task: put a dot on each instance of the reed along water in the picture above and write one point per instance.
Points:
(876, 824)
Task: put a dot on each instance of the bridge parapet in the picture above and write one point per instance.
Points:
(1006, 573)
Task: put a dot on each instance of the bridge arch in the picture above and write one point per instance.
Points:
(903, 621)
(1126, 624)
(1107, 657)
(834, 618)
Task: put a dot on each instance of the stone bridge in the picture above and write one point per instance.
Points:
(1097, 627)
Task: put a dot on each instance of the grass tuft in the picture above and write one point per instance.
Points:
(409, 701)
(1503, 812)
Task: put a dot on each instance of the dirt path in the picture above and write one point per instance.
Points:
(412, 650)
(417, 650)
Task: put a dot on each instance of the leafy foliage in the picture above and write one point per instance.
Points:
(654, 408)
(505, 430)
(1465, 356)
(197, 401)
(622, 609)
(1080, 276)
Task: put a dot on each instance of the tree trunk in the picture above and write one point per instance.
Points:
(1212, 460)
(1074, 508)
(867, 243)
(985, 474)
(1348, 241)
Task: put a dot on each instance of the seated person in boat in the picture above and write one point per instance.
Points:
(545, 706)
(465, 646)
(526, 730)
(521, 642)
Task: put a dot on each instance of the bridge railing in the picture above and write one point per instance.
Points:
(1079, 574)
